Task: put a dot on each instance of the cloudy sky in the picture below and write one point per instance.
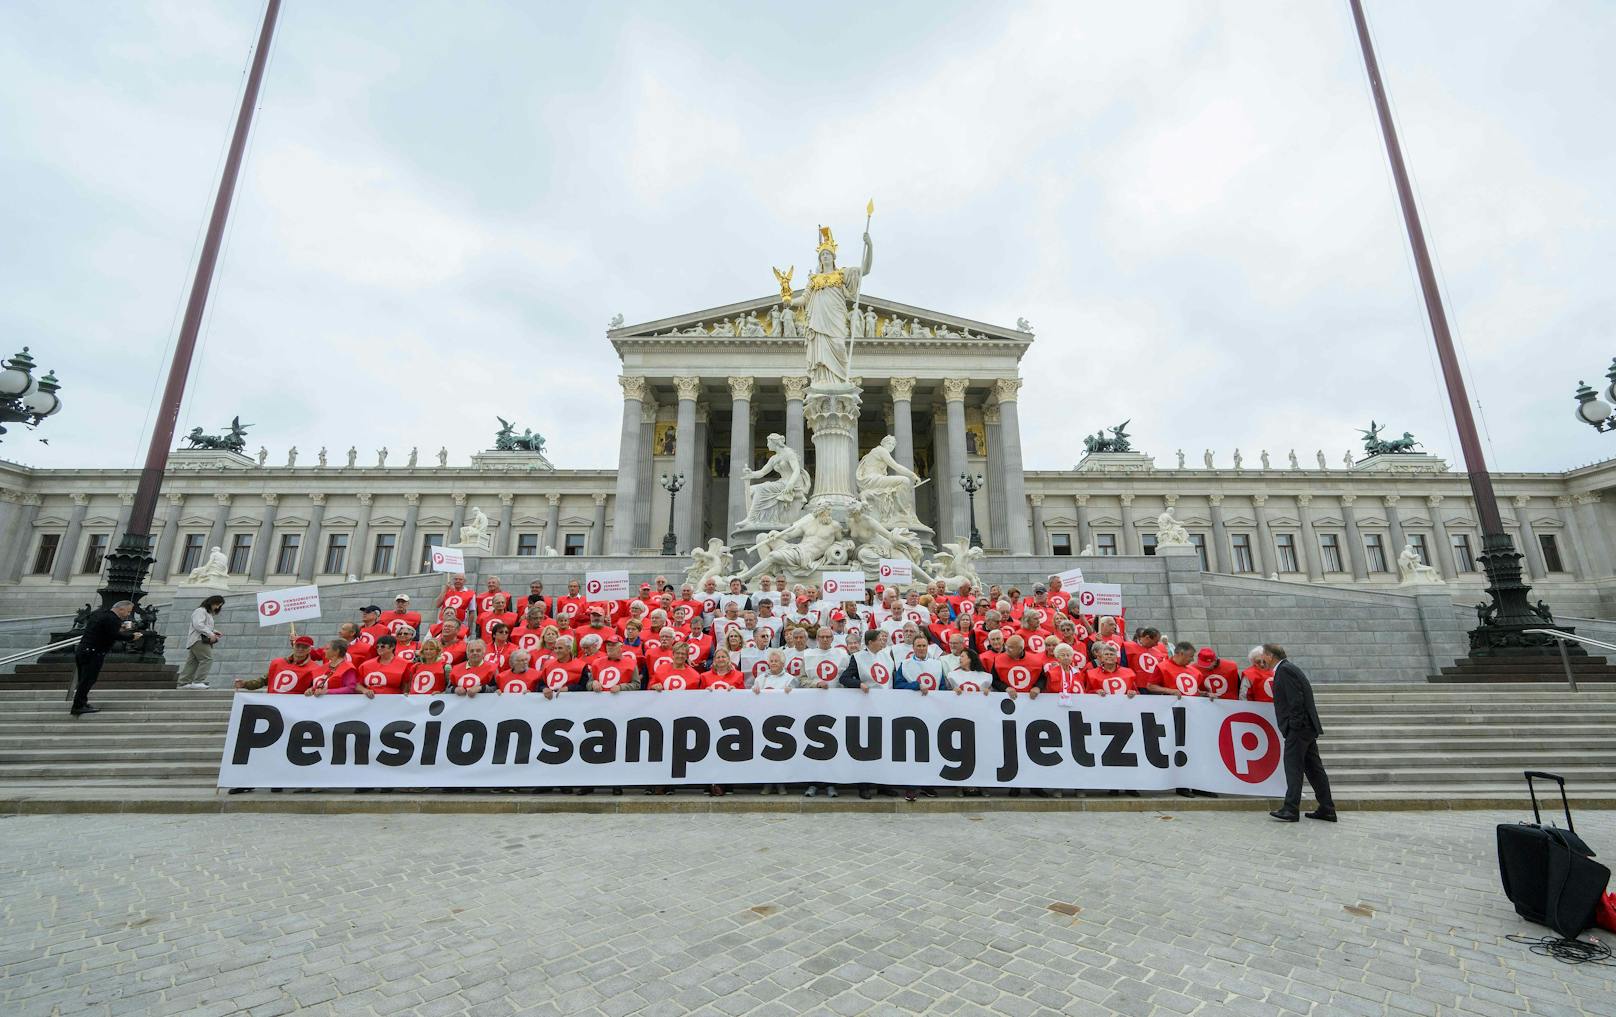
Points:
(444, 203)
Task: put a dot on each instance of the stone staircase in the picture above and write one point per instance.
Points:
(1401, 745)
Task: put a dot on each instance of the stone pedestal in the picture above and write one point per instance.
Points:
(1168, 550)
(1404, 462)
(832, 411)
(483, 544)
(1115, 462)
(209, 459)
(496, 460)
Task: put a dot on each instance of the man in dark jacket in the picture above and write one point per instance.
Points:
(1299, 725)
(102, 630)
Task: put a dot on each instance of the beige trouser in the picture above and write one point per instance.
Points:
(198, 662)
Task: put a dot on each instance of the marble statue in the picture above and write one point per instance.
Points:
(549, 552)
(616, 322)
(475, 531)
(1238, 459)
(954, 564)
(944, 332)
(1207, 458)
(712, 562)
(263, 455)
(1322, 464)
(825, 299)
(775, 327)
(443, 457)
(855, 322)
(789, 327)
(1347, 459)
(919, 331)
(726, 328)
(869, 322)
(1023, 325)
(415, 454)
(775, 502)
(1170, 532)
(291, 456)
(896, 328)
(800, 548)
(751, 328)
(886, 486)
(1295, 464)
(353, 456)
(876, 539)
(1265, 463)
(1273, 576)
(213, 572)
(1181, 459)
(322, 457)
(696, 329)
(1415, 572)
(1087, 551)
(381, 457)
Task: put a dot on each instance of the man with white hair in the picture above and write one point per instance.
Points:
(103, 629)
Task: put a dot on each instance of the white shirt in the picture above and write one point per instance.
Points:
(201, 628)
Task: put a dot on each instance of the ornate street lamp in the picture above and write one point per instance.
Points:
(24, 398)
(1594, 411)
(972, 484)
(672, 483)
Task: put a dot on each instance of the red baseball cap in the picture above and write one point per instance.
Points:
(303, 641)
(838, 615)
(1206, 657)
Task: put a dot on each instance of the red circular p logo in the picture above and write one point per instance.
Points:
(1250, 747)
(830, 586)
(269, 608)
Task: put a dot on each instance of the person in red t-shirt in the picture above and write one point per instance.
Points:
(1174, 676)
(401, 617)
(565, 672)
(496, 612)
(1016, 670)
(614, 669)
(724, 675)
(476, 673)
(1257, 681)
(362, 646)
(341, 677)
(455, 596)
(1063, 675)
(1220, 677)
(429, 673)
(1108, 678)
(499, 646)
(1145, 652)
(293, 674)
(384, 673)
(485, 600)
(674, 673)
(535, 595)
(520, 677)
(571, 607)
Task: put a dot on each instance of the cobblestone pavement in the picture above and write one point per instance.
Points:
(1009, 913)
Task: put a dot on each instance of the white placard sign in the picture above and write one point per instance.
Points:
(591, 739)
(293, 604)
(1099, 598)
(897, 571)
(839, 586)
(606, 585)
(1071, 579)
(448, 559)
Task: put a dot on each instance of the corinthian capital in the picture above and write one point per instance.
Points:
(1005, 389)
(795, 388)
(741, 387)
(954, 389)
(903, 389)
(633, 387)
(688, 388)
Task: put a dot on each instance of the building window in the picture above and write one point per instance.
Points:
(1551, 552)
(1061, 544)
(1461, 553)
(1376, 548)
(191, 557)
(240, 553)
(527, 545)
(94, 551)
(1106, 543)
(382, 560)
(428, 542)
(574, 546)
(1242, 552)
(336, 554)
(1417, 542)
(1198, 541)
(1330, 547)
(45, 557)
(1148, 542)
(286, 561)
(1285, 543)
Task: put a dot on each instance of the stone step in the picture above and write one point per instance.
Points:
(74, 772)
(167, 753)
(1476, 774)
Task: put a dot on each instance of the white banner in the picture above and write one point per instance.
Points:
(1071, 579)
(839, 736)
(1099, 598)
(448, 559)
(897, 571)
(839, 586)
(293, 604)
(606, 585)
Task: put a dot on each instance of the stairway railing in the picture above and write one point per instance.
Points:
(36, 651)
(1560, 639)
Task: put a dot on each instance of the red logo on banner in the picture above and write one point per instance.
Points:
(269, 608)
(831, 587)
(886, 571)
(1249, 746)
(1086, 598)
(592, 587)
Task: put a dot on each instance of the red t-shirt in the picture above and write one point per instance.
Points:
(395, 621)
(569, 608)
(485, 601)
(427, 679)
(1059, 600)
(406, 650)
(455, 651)
(466, 676)
(1112, 682)
(1222, 678)
(1170, 675)
(363, 646)
(1144, 659)
(674, 678)
(459, 600)
(384, 679)
(1058, 679)
(1021, 675)
(609, 674)
(500, 655)
(564, 676)
(1262, 685)
(523, 603)
(486, 622)
(287, 678)
(517, 683)
(731, 679)
(1033, 639)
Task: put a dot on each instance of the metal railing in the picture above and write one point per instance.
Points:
(36, 651)
(1560, 639)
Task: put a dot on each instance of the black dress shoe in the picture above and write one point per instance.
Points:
(239, 790)
(1185, 792)
(79, 711)
(1285, 816)
(866, 793)
(1328, 815)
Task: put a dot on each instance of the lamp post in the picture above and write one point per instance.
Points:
(972, 484)
(1594, 411)
(24, 398)
(673, 483)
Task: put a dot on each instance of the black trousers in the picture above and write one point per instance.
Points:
(89, 668)
(1302, 759)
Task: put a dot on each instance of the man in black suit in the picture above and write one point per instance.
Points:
(1299, 725)
(102, 630)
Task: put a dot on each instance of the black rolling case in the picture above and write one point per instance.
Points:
(1549, 873)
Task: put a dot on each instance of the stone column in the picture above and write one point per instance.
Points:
(165, 540)
(700, 457)
(1220, 550)
(647, 485)
(1084, 538)
(404, 561)
(221, 520)
(552, 523)
(903, 424)
(1355, 549)
(23, 542)
(1265, 536)
(1130, 539)
(833, 415)
(1443, 552)
(597, 526)
(1040, 539)
(1571, 547)
(796, 389)
(629, 452)
(1394, 523)
(1310, 538)
(954, 395)
(62, 568)
(942, 473)
(258, 566)
(1535, 565)
(456, 520)
(507, 522)
(684, 458)
(1015, 495)
(309, 560)
(740, 446)
(126, 504)
(361, 538)
(1596, 555)
(998, 529)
